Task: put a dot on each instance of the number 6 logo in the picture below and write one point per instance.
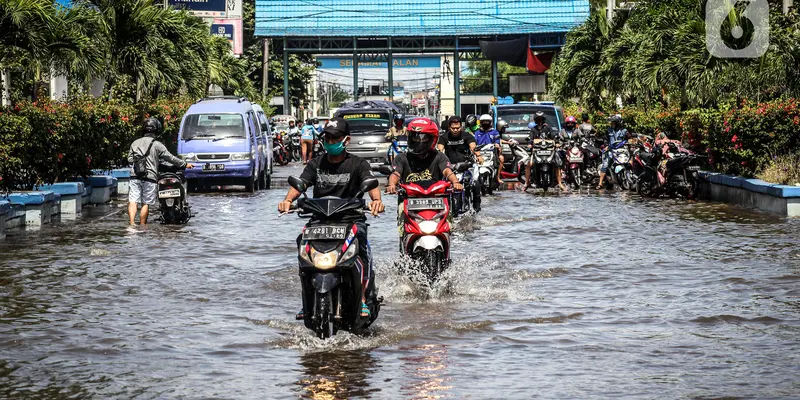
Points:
(737, 32)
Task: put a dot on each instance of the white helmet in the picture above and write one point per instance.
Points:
(485, 117)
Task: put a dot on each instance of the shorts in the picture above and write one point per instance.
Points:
(142, 192)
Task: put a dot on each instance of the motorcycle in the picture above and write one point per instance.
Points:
(462, 200)
(331, 267)
(426, 224)
(488, 169)
(279, 150)
(294, 147)
(172, 200)
(591, 160)
(619, 170)
(397, 147)
(575, 163)
(544, 163)
(518, 164)
(673, 171)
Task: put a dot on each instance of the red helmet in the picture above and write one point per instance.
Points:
(571, 119)
(423, 134)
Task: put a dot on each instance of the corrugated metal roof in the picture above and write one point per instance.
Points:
(376, 18)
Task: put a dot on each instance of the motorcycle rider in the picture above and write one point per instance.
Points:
(396, 133)
(144, 189)
(471, 122)
(460, 146)
(542, 130)
(340, 174)
(570, 131)
(317, 126)
(586, 127)
(293, 129)
(486, 135)
(616, 134)
(307, 136)
(422, 162)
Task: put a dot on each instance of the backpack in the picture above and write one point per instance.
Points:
(140, 163)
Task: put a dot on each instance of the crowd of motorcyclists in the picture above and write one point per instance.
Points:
(441, 173)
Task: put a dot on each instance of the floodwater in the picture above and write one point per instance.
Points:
(571, 296)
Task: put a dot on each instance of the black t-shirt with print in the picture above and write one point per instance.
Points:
(457, 149)
(336, 179)
(413, 168)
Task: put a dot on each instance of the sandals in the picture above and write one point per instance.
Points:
(599, 187)
(365, 310)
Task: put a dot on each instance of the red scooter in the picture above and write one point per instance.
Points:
(426, 224)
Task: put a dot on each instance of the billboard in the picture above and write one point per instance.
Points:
(397, 62)
(203, 8)
(230, 29)
(233, 8)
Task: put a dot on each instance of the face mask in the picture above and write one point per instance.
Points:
(486, 127)
(334, 149)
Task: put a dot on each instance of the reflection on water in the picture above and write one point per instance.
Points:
(337, 375)
(425, 371)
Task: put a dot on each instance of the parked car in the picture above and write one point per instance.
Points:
(220, 135)
(266, 140)
(519, 115)
(368, 129)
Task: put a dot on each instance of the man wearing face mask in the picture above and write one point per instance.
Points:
(340, 174)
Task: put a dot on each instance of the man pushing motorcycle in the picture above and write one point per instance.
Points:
(340, 174)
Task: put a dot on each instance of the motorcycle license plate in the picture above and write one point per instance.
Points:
(213, 167)
(329, 232)
(543, 153)
(693, 168)
(435, 203)
(575, 159)
(168, 194)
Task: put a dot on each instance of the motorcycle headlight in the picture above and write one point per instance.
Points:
(428, 227)
(240, 156)
(324, 260)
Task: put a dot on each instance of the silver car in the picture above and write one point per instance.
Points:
(368, 129)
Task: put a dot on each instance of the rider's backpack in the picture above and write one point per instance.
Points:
(140, 162)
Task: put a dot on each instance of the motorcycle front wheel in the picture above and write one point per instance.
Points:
(324, 326)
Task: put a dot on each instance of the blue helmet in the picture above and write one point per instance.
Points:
(531, 125)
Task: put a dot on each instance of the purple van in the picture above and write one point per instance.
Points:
(222, 136)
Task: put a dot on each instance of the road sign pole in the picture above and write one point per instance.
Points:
(355, 71)
(494, 79)
(457, 81)
(287, 105)
(390, 64)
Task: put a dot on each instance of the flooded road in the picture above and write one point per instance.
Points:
(572, 296)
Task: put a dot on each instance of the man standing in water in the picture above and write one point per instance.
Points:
(146, 153)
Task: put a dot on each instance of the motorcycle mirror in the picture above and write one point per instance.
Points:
(298, 184)
(367, 185)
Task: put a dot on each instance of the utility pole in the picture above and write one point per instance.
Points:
(787, 4)
(611, 4)
(265, 72)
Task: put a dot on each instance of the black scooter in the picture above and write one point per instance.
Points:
(175, 209)
(330, 263)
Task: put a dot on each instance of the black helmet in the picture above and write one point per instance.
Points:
(400, 117)
(316, 120)
(151, 126)
(471, 120)
(615, 118)
(539, 115)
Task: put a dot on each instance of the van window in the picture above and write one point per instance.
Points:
(519, 118)
(213, 126)
(367, 121)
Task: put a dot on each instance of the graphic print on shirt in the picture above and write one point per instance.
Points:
(326, 180)
(425, 175)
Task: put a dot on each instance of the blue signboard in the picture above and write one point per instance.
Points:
(397, 62)
(224, 30)
(199, 5)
